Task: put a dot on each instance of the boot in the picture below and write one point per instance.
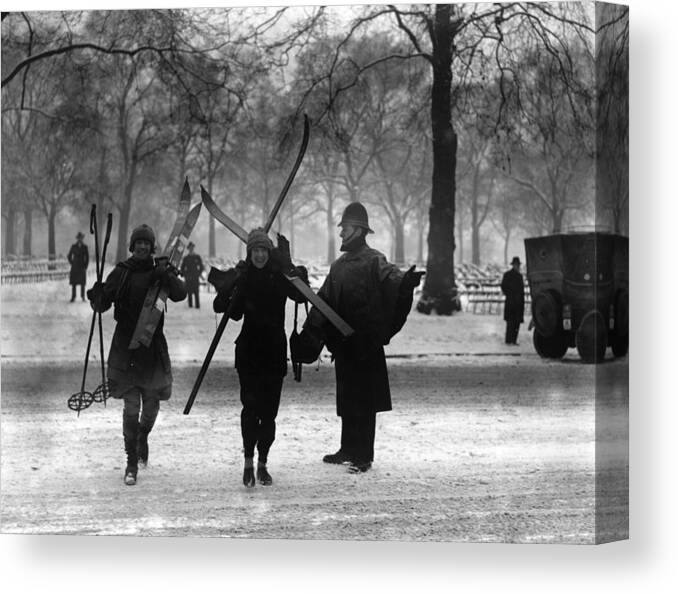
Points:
(339, 457)
(263, 477)
(132, 461)
(359, 466)
(142, 448)
(248, 477)
(248, 473)
(131, 475)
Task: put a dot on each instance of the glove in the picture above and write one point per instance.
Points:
(411, 279)
(96, 297)
(281, 255)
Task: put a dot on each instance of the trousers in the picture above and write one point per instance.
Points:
(512, 328)
(140, 410)
(260, 398)
(357, 437)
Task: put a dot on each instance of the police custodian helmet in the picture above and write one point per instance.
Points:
(356, 215)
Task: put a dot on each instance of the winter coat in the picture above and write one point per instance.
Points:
(260, 296)
(362, 287)
(191, 269)
(78, 258)
(144, 367)
(512, 286)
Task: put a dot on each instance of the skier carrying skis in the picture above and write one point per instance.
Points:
(257, 290)
(374, 297)
(142, 377)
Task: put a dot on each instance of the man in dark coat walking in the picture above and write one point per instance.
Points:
(374, 298)
(142, 377)
(514, 306)
(191, 269)
(78, 258)
(258, 291)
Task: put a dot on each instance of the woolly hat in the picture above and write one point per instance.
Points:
(356, 215)
(142, 232)
(258, 238)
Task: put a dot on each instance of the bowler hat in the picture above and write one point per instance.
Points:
(80, 235)
(516, 260)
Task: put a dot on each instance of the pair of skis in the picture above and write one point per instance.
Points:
(156, 297)
(302, 287)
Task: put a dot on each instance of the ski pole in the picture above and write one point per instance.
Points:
(102, 390)
(81, 400)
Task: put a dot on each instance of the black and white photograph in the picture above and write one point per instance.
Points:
(326, 275)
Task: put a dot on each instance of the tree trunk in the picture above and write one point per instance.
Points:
(121, 253)
(420, 236)
(460, 238)
(475, 225)
(399, 242)
(28, 232)
(331, 230)
(440, 291)
(10, 232)
(51, 236)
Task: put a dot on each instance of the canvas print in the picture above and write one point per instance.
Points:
(316, 272)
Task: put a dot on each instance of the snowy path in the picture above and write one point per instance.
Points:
(485, 442)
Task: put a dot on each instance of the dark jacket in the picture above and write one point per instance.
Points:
(512, 286)
(145, 367)
(78, 258)
(191, 269)
(362, 287)
(259, 297)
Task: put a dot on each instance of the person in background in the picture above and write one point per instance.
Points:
(141, 377)
(514, 305)
(257, 291)
(374, 297)
(78, 258)
(191, 269)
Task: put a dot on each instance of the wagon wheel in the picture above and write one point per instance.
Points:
(549, 347)
(591, 338)
(546, 312)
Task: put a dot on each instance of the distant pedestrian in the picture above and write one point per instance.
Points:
(514, 306)
(191, 269)
(78, 258)
(142, 377)
(259, 292)
(374, 297)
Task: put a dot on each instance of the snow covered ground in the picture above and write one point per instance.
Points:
(486, 442)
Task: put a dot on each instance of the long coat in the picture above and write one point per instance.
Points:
(144, 367)
(191, 269)
(362, 287)
(512, 286)
(78, 258)
(260, 297)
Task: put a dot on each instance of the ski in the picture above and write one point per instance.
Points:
(156, 297)
(300, 285)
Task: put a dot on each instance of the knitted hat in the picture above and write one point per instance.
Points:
(356, 215)
(142, 232)
(258, 238)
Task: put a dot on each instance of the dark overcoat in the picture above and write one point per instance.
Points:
(144, 367)
(512, 286)
(259, 299)
(362, 287)
(78, 258)
(191, 269)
